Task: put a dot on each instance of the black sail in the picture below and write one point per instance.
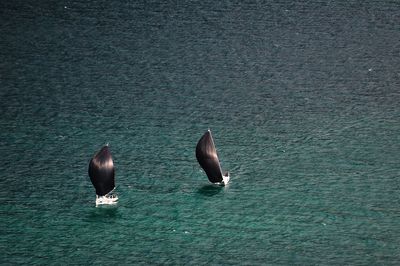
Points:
(101, 172)
(207, 157)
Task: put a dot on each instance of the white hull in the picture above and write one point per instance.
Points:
(106, 200)
(225, 180)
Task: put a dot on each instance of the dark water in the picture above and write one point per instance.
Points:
(303, 99)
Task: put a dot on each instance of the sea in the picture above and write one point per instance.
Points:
(302, 98)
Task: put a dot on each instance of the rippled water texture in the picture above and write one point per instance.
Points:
(303, 99)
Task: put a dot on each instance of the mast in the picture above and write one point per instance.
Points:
(213, 143)
(101, 172)
(207, 157)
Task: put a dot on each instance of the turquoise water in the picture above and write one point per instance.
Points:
(303, 100)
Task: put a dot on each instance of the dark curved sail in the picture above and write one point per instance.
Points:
(207, 157)
(101, 172)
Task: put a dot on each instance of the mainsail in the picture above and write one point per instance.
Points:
(207, 157)
(101, 172)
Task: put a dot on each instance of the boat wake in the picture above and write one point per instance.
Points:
(106, 200)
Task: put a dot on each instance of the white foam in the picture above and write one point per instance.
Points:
(106, 200)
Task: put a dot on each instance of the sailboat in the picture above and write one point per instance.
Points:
(102, 174)
(207, 157)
